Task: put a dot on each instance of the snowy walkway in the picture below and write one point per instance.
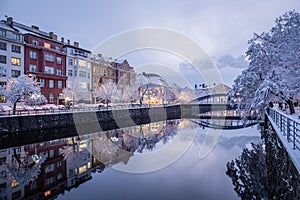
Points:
(287, 128)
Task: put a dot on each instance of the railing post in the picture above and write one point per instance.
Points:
(288, 129)
(294, 135)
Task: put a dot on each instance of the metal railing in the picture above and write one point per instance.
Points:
(288, 126)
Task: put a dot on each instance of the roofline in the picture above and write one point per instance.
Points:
(69, 45)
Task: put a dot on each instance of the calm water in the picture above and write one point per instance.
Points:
(165, 160)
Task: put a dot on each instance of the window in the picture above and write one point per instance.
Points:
(82, 74)
(51, 153)
(35, 43)
(16, 36)
(49, 181)
(59, 175)
(70, 62)
(49, 70)
(70, 72)
(15, 49)
(33, 185)
(59, 84)
(3, 46)
(49, 57)
(2, 33)
(2, 59)
(51, 83)
(82, 63)
(88, 75)
(59, 72)
(51, 97)
(14, 183)
(47, 45)
(42, 83)
(2, 100)
(32, 68)
(16, 195)
(32, 54)
(59, 164)
(57, 48)
(49, 168)
(75, 72)
(16, 61)
(82, 169)
(59, 60)
(89, 65)
(2, 72)
(15, 73)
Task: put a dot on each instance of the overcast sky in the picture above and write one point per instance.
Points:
(220, 26)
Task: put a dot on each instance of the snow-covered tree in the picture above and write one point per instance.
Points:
(36, 100)
(106, 91)
(67, 93)
(273, 74)
(21, 88)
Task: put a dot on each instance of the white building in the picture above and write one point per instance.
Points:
(79, 72)
(11, 52)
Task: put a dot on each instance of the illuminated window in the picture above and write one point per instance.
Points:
(16, 61)
(47, 193)
(82, 63)
(14, 183)
(2, 99)
(46, 45)
(82, 169)
(89, 164)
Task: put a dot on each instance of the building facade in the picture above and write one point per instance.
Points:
(44, 59)
(11, 53)
(79, 72)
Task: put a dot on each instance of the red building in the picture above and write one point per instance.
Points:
(44, 59)
(122, 72)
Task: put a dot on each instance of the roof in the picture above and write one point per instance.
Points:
(6, 26)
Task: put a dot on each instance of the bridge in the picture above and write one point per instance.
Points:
(227, 124)
(288, 131)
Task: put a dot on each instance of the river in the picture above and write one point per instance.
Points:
(176, 159)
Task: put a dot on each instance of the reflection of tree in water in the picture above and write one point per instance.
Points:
(21, 168)
(119, 145)
(265, 171)
(148, 141)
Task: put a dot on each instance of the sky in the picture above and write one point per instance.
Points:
(219, 27)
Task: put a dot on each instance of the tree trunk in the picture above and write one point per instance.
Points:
(291, 106)
(14, 108)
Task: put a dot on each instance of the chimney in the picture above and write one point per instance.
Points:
(68, 42)
(9, 20)
(52, 36)
(76, 44)
(62, 40)
(34, 27)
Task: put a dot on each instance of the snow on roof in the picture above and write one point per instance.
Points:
(5, 26)
(119, 61)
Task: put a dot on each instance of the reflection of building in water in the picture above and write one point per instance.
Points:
(107, 148)
(52, 177)
(78, 162)
(10, 189)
